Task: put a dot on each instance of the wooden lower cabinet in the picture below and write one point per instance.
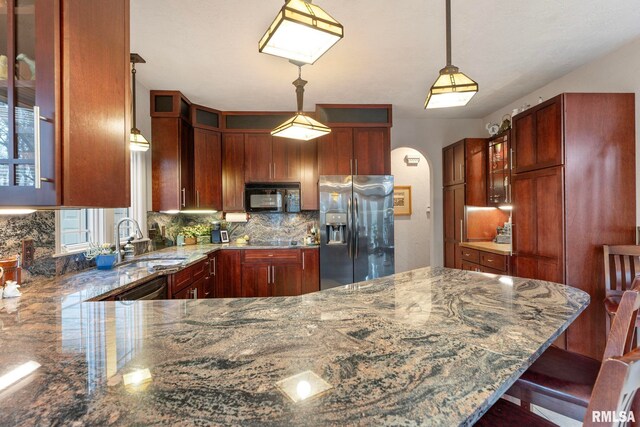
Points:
(310, 270)
(228, 274)
(454, 198)
(280, 272)
(483, 261)
(190, 283)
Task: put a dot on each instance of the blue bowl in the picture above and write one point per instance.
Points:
(105, 262)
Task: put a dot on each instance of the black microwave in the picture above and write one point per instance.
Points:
(272, 198)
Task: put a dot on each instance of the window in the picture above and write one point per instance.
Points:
(77, 228)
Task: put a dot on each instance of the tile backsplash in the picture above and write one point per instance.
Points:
(260, 227)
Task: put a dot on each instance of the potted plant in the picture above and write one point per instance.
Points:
(104, 255)
(198, 233)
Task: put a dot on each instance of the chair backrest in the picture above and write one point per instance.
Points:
(622, 332)
(619, 376)
(614, 392)
(621, 265)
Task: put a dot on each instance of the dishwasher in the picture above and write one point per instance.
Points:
(152, 290)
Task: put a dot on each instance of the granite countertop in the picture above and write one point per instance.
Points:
(496, 248)
(432, 346)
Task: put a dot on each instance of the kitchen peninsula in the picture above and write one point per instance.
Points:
(432, 346)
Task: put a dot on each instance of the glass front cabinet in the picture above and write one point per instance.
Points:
(27, 103)
(499, 173)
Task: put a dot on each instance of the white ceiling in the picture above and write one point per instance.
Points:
(391, 52)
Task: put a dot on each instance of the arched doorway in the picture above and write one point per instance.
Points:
(412, 232)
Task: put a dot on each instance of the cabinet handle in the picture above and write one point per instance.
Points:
(195, 293)
(214, 266)
(350, 166)
(268, 275)
(184, 197)
(303, 260)
(269, 170)
(198, 198)
(511, 159)
(273, 275)
(489, 260)
(36, 147)
(460, 167)
(356, 166)
(274, 170)
(461, 230)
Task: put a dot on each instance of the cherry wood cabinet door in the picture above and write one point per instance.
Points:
(454, 198)
(228, 274)
(286, 280)
(476, 171)
(537, 137)
(286, 155)
(310, 270)
(372, 151)
(207, 169)
(549, 134)
(256, 280)
(309, 197)
(335, 152)
(538, 224)
(448, 176)
(233, 172)
(459, 155)
(258, 157)
(186, 293)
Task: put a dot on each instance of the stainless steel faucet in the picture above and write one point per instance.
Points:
(116, 236)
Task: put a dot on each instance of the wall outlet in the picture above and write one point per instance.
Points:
(28, 253)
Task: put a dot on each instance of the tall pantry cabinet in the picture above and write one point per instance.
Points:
(574, 191)
(465, 183)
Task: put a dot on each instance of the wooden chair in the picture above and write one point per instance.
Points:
(621, 265)
(615, 386)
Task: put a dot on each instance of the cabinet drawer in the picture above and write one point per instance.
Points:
(274, 256)
(181, 279)
(484, 269)
(495, 261)
(469, 266)
(470, 255)
(200, 270)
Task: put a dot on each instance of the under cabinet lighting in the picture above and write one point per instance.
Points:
(16, 211)
(17, 374)
(301, 32)
(506, 207)
(188, 211)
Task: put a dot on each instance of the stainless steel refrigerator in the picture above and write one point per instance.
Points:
(356, 228)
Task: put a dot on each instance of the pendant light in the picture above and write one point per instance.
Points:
(137, 142)
(301, 32)
(300, 126)
(452, 88)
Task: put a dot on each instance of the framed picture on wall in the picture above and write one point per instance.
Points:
(402, 200)
(224, 236)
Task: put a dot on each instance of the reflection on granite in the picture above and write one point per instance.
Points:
(259, 227)
(432, 346)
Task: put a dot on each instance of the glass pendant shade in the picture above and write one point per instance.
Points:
(301, 32)
(301, 127)
(137, 142)
(451, 89)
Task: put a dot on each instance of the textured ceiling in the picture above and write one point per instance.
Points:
(391, 52)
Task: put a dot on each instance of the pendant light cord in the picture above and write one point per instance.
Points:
(299, 84)
(133, 85)
(448, 12)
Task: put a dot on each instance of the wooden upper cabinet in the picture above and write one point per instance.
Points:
(83, 123)
(233, 169)
(309, 197)
(475, 171)
(286, 159)
(207, 169)
(537, 137)
(459, 156)
(171, 170)
(257, 157)
(372, 151)
(448, 177)
(335, 152)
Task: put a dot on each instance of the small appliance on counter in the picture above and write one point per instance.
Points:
(215, 232)
(504, 234)
(272, 198)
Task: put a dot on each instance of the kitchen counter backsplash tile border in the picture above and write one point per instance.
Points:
(260, 227)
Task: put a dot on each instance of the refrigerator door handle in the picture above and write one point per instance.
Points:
(349, 230)
(357, 226)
